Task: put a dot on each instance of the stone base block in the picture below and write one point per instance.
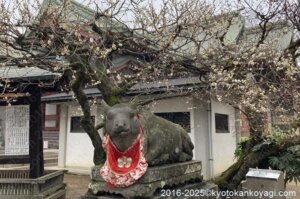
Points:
(191, 194)
(154, 184)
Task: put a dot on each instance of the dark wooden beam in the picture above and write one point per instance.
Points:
(20, 159)
(17, 101)
(35, 134)
(13, 96)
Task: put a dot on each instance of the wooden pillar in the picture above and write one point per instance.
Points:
(35, 134)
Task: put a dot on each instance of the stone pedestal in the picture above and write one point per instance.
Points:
(176, 178)
(263, 181)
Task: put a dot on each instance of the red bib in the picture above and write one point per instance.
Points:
(122, 169)
(123, 162)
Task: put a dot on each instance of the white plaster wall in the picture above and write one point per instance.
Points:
(201, 130)
(224, 144)
(79, 148)
(63, 124)
(50, 109)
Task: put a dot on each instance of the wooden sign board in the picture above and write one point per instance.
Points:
(14, 130)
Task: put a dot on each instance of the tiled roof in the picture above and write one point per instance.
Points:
(140, 88)
(90, 92)
(27, 74)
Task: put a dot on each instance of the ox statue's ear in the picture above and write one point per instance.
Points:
(135, 103)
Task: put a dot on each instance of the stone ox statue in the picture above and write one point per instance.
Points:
(134, 140)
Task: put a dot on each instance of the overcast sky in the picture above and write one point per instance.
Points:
(221, 6)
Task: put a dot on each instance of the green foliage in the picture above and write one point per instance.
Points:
(288, 159)
(241, 147)
(288, 162)
(277, 136)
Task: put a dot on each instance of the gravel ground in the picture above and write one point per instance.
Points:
(77, 186)
(294, 187)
